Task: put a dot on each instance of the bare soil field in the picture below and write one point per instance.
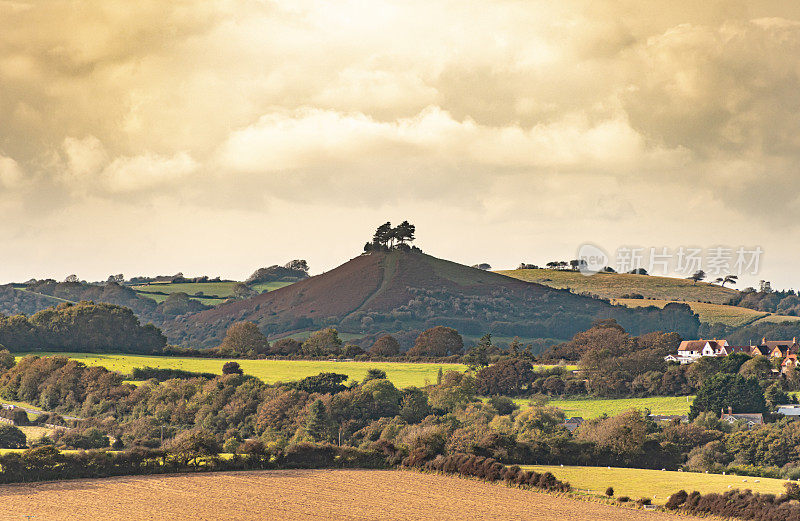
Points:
(298, 494)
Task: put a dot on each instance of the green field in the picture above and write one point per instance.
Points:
(657, 485)
(220, 289)
(711, 313)
(595, 407)
(615, 285)
(270, 371)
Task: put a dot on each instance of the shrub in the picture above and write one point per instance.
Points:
(11, 437)
(610, 492)
(676, 500)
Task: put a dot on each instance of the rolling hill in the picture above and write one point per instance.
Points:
(409, 291)
(618, 285)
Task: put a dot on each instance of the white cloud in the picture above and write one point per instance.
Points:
(147, 172)
(11, 175)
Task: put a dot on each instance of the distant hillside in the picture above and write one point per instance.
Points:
(17, 301)
(209, 293)
(619, 285)
(400, 291)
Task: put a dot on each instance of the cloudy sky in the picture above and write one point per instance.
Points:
(216, 136)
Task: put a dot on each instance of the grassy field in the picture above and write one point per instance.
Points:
(615, 285)
(220, 289)
(655, 484)
(595, 407)
(711, 313)
(299, 494)
(715, 313)
(271, 371)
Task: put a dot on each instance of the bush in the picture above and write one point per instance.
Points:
(623, 499)
(232, 368)
(676, 500)
(11, 437)
(610, 492)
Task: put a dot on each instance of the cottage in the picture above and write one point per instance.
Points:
(751, 419)
(573, 423)
(692, 350)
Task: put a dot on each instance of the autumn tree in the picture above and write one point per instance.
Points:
(386, 345)
(317, 425)
(322, 343)
(438, 341)
(244, 339)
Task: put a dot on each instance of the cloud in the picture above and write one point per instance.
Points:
(11, 174)
(565, 115)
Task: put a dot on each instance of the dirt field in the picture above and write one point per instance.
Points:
(297, 494)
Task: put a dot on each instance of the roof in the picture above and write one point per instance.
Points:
(697, 345)
(750, 416)
(576, 419)
(738, 349)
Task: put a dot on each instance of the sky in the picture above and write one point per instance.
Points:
(217, 136)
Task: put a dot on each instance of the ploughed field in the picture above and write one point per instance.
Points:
(657, 485)
(298, 494)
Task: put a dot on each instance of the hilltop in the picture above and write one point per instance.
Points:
(400, 291)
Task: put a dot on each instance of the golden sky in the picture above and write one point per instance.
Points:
(217, 136)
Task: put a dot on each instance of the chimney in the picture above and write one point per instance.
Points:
(722, 412)
(763, 341)
(730, 410)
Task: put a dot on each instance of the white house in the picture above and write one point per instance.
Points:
(691, 350)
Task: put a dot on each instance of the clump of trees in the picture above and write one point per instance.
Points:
(292, 271)
(387, 237)
(82, 327)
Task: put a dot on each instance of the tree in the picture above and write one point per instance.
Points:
(190, 445)
(404, 232)
(323, 383)
(386, 345)
(285, 347)
(729, 279)
(242, 291)
(374, 374)
(7, 360)
(510, 377)
(72, 278)
(244, 339)
(383, 235)
(317, 422)
(482, 266)
(697, 276)
(322, 343)
(297, 265)
(232, 368)
(438, 341)
(721, 391)
(414, 406)
(478, 356)
(11, 437)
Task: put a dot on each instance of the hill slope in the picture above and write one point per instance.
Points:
(617, 285)
(409, 291)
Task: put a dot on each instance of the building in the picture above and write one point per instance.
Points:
(751, 419)
(789, 410)
(692, 350)
(668, 418)
(573, 423)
